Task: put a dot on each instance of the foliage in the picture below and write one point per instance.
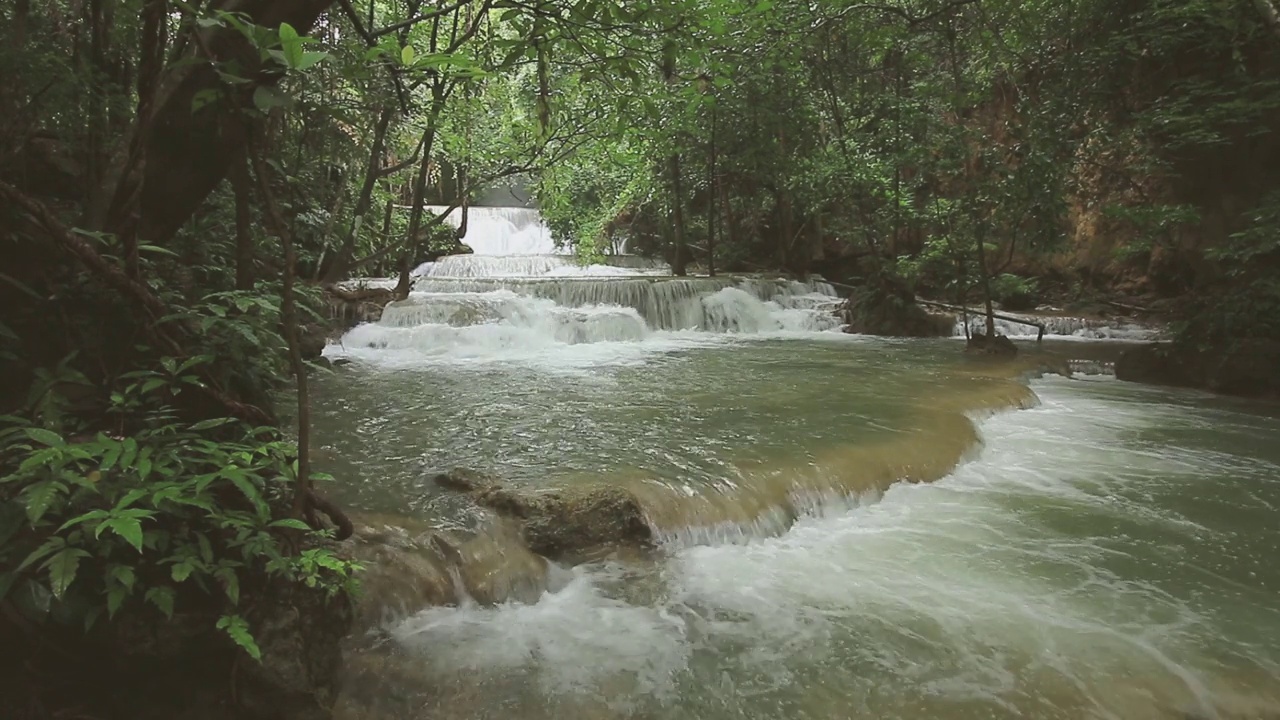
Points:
(93, 522)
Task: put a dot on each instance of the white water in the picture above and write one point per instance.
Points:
(496, 266)
(1078, 328)
(1019, 587)
(502, 230)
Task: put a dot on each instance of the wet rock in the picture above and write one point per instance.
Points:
(403, 572)
(178, 668)
(888, 307)
(496, 567)
(561, 522)
(311, 340)
(300, 632)
(995, 345)
(409, 567)
(1247, 367)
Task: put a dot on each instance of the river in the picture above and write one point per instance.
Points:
(1083, 548)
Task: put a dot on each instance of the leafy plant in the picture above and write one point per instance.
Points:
(97, 522)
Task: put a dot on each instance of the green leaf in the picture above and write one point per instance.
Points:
(292, 523)
(123, 574)
(112, 455)
(238, 630)
(48, 437)
(206, 549)
(126, 527)
(211, 423)
(40, 497)
(62, 569)
(182, 570)
(45, 548)
(265, 98)
(130, 452)
(115, 598)
(162, 597)
(310, 58)
(230, 583)
(130, 498)
(157, 250)
(91, 515)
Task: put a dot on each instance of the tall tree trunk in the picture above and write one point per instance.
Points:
(730, 220)
(188, 153)
(680, 254)
(677, 216)
(21, 11)
(986, 284)
(289, 318)
(240, 187)
(713, 184)
(342, 260)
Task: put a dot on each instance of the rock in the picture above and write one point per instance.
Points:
(997, 345)
(409, 568)
(563, 522)
(888, 307)
(1249, 367)
(403, 573)
(178, 668)
(300, 632)
(571, 521)
(311, 340)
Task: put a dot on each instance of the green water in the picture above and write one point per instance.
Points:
(1109, 553)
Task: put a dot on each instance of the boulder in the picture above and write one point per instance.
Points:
(996, 345)
(886, 306)
(560, 523)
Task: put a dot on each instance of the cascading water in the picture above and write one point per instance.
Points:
(501, 230)
(505, 300)
(1080, 328)
(843, 528)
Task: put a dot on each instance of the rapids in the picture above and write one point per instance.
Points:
(849, 527)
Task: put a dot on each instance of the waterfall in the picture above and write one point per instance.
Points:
(515, 299)
(476, 266)
(502, 230)
(665, 303)
(1060, 327)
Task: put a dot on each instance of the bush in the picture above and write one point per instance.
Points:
(93, 522)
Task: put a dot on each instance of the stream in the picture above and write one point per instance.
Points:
(1082, 548)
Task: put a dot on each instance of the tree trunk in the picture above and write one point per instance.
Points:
(188, 153)
(986, 285)
(338, 268)
(677, 216)
(289, 318)
(240, 187)
(713, 184)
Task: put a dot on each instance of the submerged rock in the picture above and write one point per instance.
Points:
(560, 522)
(408, 567)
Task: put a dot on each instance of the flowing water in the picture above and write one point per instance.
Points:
(1085, 548)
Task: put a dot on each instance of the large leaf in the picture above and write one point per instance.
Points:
(238, 630)
(128, 528)
(48, 437)
(162, 597)
(62, 569)
(40, 496)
